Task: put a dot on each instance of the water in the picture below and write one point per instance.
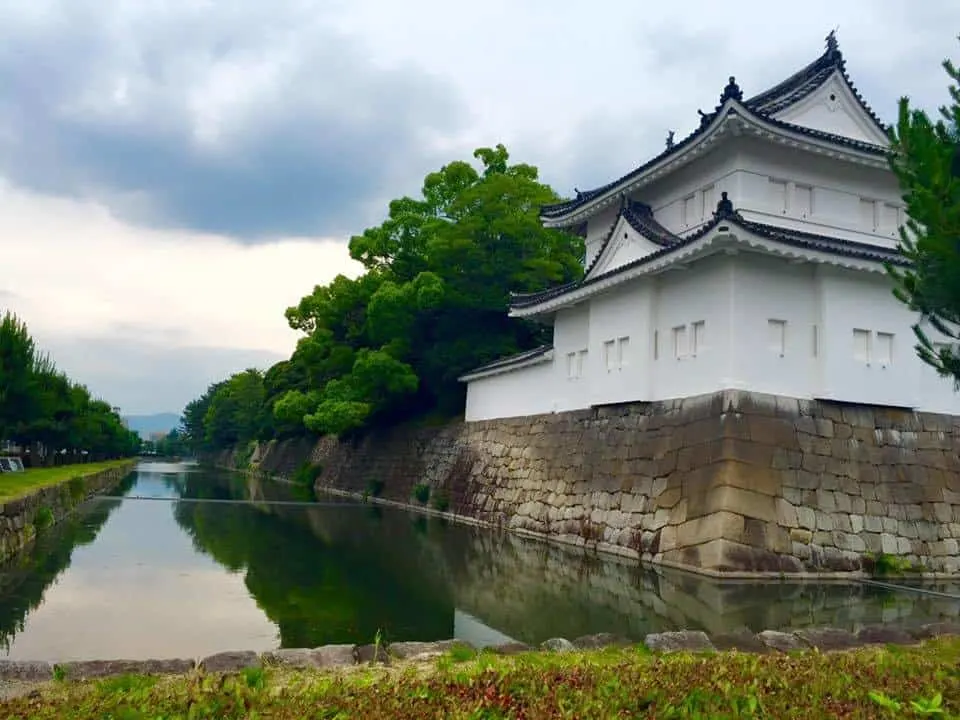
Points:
(214, 562)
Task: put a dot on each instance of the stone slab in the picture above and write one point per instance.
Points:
(884, 635)
(679, 641)
(339, 655)
(781, 641)
(88, 669)
(827, 638)
(600, 640)
(742, 641)
(230, 661)
(420, 650)
(25, 670)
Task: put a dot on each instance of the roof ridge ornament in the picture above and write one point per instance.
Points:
(731, 92)
(833, 47)
(670, 141)
(725, 208)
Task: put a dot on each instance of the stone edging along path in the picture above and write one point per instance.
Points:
(332, 657)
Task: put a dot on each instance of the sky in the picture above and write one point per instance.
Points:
(174, 174)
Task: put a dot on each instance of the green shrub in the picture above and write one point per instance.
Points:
(307, 473)
(441, 501)
(374, 487)
(43, 519)
(78, 488)
(421, 493)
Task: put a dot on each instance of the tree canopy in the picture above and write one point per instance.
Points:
(431, 305)
(41, 408)
(926, 159)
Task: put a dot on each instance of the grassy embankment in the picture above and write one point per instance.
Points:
(624, 682)
(15, 485)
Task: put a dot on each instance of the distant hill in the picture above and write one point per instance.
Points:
(158, 422)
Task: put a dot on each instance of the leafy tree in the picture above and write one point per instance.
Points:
(41, 408)
(926, 159)
(390, 344)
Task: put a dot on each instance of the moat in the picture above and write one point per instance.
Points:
(184, 562)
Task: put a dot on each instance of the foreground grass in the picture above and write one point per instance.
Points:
(14, 485)
(624, 683)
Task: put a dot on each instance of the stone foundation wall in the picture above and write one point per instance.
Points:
(21, 518)
(732, 482)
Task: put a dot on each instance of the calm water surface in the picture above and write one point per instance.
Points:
(184, 562)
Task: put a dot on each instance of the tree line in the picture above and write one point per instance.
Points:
(390, 344)
(42, 410)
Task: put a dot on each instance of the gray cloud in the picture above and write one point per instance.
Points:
(146, 377)
(250, 119)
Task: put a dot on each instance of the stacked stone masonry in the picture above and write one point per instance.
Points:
(728, 483)
(331, 657)
(19, 518)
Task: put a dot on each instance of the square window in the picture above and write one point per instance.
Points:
(680, 341)
(861, 345)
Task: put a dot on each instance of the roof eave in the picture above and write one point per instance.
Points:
(725, 238)
(537, 359)
(740, 116)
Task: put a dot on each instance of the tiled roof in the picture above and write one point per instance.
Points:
(785, 236)
(762, 106)
(511, 360)
(640, 217)
(803, 82)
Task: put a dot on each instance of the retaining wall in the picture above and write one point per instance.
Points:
(728, 483)
(20, 517)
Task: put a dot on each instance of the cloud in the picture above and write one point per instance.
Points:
(147, 318)
(143, 376)
(250, 119)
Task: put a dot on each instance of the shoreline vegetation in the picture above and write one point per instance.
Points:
(14, 486)
(880, 672)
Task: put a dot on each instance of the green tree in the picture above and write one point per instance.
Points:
(926, 159)
(391, 343)
(18, 356)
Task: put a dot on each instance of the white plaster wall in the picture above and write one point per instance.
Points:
(571, 334)
(698, 294)
(598, 227)
(794, 189)
(525, 391)
(735, 296)
(615, 317)
(769, 289)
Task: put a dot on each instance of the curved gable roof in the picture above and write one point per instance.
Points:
(761, 107)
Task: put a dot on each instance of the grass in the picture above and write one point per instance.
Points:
(612, 683)
(15, 485)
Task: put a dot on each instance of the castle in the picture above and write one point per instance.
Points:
(747, 256)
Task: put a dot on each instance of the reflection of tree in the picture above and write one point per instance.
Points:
(318, 590)
(25, 579)
(337, 574)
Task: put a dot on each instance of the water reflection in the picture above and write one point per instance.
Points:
(190, 573)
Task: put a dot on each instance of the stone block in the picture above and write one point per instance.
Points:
(25, 670)
(558, 645)
(601, 640)
(806, 518)
(715, 526)
(742, 641)
(827, 638)
(884, 635)
(801, 536)
(780, 641)
(422, 650)
(511, 648)
(786, 514)
(679, 641)
(370, 654)
(230, 661)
